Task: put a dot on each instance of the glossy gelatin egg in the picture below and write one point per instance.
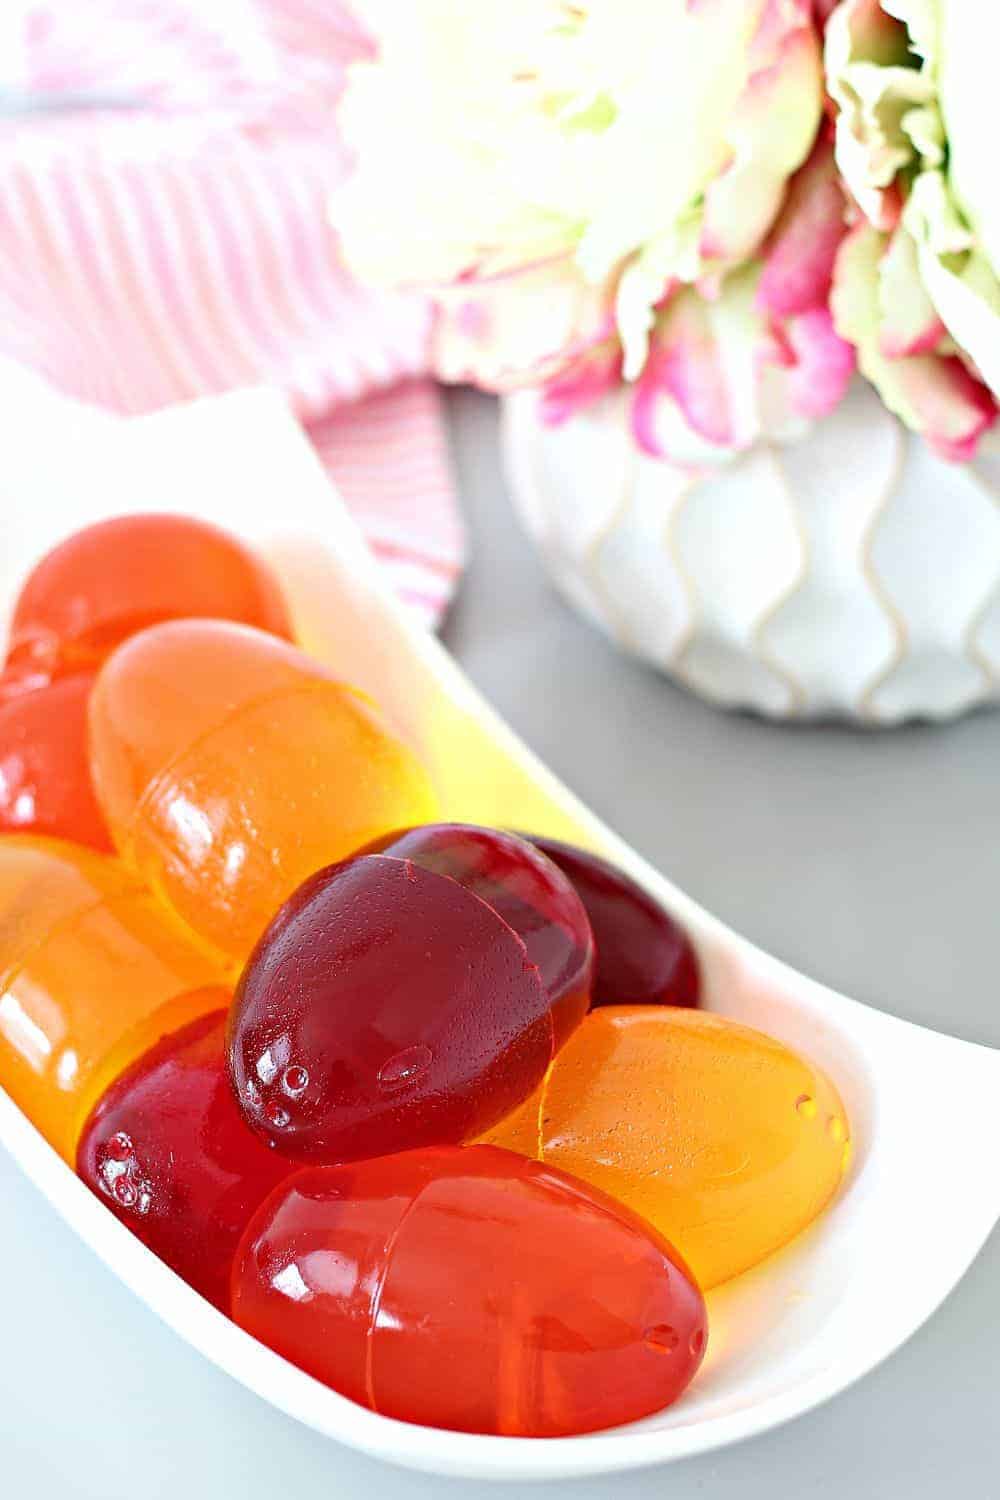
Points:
(473, 1290)
(111, 580)
(91, 974)
(169, 1153)
(644, 957)
(385, 1007)
(724, 1139)
(230, 767)
(528, 891)
(45, 784)
(13, 683)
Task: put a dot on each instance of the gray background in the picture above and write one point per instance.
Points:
(869, 860)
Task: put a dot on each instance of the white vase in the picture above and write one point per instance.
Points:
(849, 573)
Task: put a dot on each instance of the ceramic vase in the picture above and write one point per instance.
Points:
(849, 573)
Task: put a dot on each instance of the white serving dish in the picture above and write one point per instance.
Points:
(919, 1201)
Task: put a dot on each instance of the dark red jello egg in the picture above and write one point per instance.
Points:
(385, 1007)
(643, 955)
(531, 894)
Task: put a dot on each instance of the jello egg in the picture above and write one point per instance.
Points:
(45, 784)
(230, 767)
(726, 1140)
(91, 974)
(643, 955)
(109, 581)
(169, 1153)
(385, 1007)
(472, 1290)
(531, 894)
(14, 683)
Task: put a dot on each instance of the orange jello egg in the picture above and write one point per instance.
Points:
(92, 973)
(727, 1141)
(108, 581)
(230, 767)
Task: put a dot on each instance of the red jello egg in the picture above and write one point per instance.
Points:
(169, 1153)
(531, 894)
(14, 682)
(643, 956)
(385, 1007)
(45, 784)
(107, 582)
(471, 1289)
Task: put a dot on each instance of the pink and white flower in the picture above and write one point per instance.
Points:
(608, 191)
(917, 284)
(761, 359)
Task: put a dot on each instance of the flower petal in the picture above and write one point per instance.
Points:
(771, 133)
(585, 381)
(802, 247)
(519, 328)
(909, 322)
(823, 364)
(959, 279)
(874, 84)
(686, 367)
(938, 396)
(933, 393)
(724, 374)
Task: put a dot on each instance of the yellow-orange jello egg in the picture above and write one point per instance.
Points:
(728, 1142)
(230, 767)
(92, 973)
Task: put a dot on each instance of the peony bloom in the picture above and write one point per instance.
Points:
(916, 282)
(615, 190)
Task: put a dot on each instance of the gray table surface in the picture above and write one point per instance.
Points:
(869, 860)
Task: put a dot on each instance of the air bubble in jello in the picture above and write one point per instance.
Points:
(168, 1151)
(230, 767)
(726, 1140)
(104, 583)
(525, 888)
(45, 785)
(91, 974)
(386, 1006)
(470, 1289)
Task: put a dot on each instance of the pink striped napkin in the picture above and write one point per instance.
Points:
(163, 235)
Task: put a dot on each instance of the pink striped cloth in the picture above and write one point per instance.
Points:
(164, 235)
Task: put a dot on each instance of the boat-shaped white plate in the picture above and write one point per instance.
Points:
(918, 1203)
